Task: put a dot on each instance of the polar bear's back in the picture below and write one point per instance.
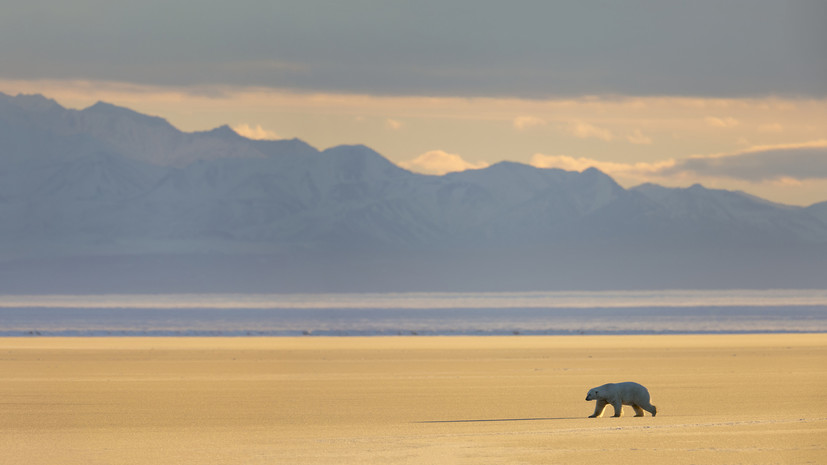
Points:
(631, 391)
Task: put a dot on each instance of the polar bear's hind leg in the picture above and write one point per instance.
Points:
(649, 408)
(638, 410)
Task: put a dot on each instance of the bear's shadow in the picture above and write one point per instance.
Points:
(498, 419)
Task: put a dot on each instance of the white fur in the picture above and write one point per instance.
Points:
(619, 394)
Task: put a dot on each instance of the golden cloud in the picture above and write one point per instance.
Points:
(393, 124)
(584, 130)
(716, 122)
(525, 122)
(639, 138)
(254, 132)
(440, 162)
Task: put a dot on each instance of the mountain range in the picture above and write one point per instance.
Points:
(106, 199)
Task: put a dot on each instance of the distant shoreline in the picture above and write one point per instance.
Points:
(423, 314)
(356, 334)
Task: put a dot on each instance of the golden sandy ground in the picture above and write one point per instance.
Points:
(752, 399)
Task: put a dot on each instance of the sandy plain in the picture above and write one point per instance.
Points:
(722, 399)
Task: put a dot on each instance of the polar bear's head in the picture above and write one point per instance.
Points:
(592, 394)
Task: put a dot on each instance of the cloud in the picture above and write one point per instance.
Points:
(781, 165)
(639, 138)
(583, 130)
(440, 162)
(393, 124)
(254, 132)
(727, 122)
(322, 47)
(526, 122)
(778, 163)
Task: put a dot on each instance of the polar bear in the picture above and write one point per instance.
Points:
(618, 395)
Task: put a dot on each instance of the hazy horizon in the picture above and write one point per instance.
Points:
(417, 314)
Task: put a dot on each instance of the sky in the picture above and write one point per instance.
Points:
(729, 94)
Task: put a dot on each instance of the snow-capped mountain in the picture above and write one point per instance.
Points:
(107, 199)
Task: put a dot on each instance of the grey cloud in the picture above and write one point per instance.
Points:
(443, 47)
(799, 163)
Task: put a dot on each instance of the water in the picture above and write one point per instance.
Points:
(526, 313)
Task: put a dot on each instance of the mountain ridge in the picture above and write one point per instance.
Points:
(106, 189)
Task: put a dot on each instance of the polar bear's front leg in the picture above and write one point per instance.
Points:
(598, 408)
(618, 406)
